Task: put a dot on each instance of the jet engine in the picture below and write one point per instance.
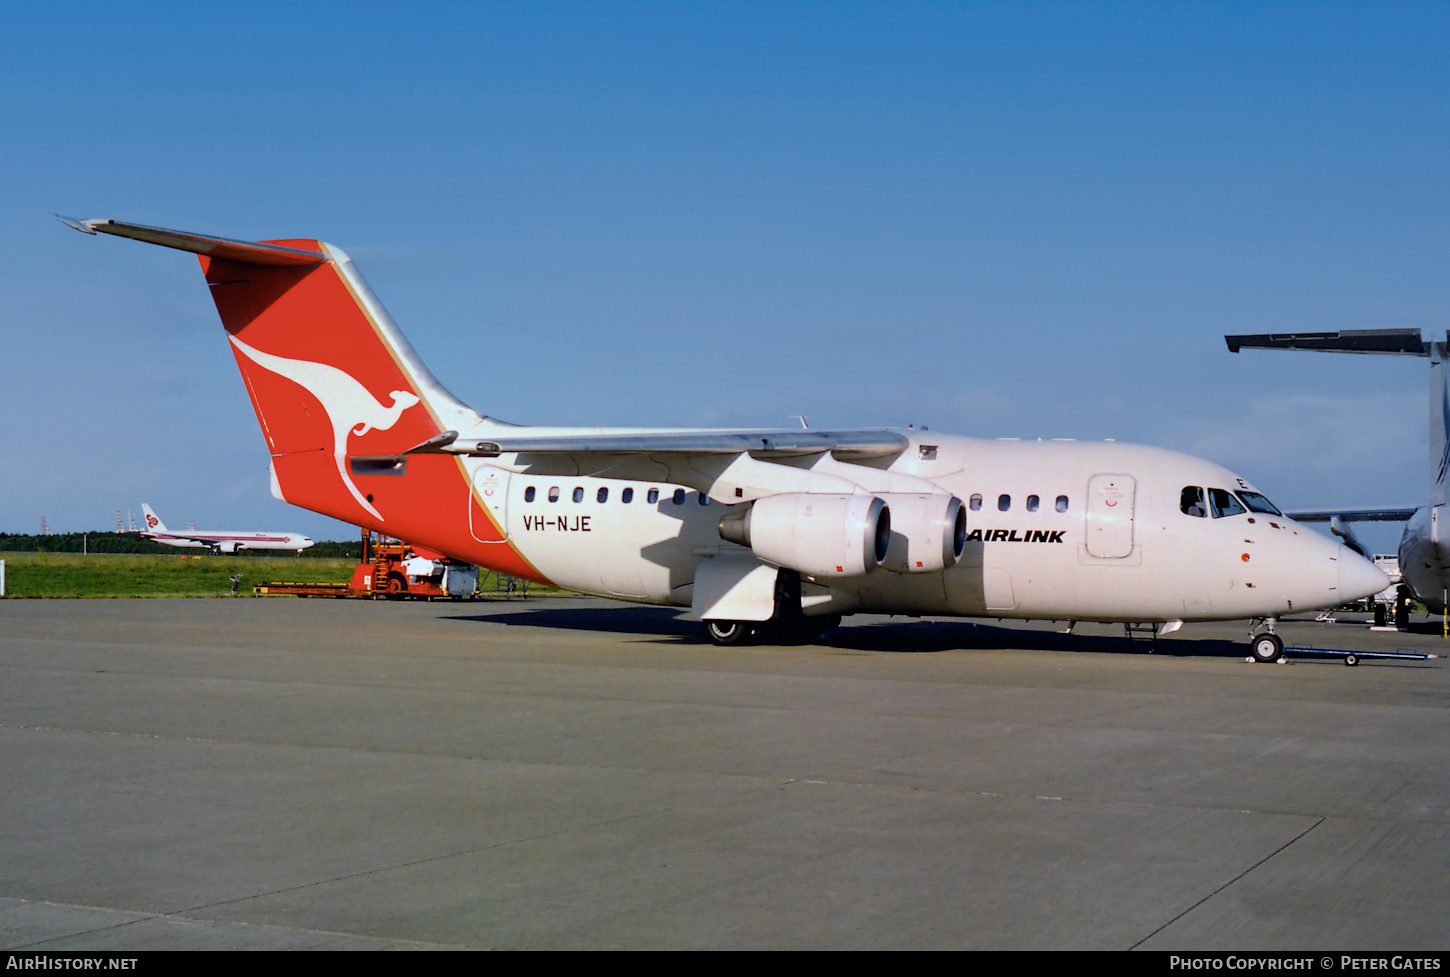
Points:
(928, 532)
(814, 534)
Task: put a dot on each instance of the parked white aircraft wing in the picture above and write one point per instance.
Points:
(1348, 514)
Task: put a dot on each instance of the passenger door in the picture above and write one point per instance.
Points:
(1110, 515)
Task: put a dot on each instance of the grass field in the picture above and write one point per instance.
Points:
(145, 575)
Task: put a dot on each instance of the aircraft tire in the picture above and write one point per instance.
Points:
(729, 632)
(1266, 648)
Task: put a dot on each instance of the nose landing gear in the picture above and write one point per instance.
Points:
(1265, 646)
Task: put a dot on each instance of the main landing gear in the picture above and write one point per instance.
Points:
(1266, 647)
(730, 632)
(786, 620)
(802, 629)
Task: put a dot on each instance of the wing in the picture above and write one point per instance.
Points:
(1395, 342)
(1353, 515)
(844, 445)
(728, 466)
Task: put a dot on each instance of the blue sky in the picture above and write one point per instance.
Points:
(1023, 220)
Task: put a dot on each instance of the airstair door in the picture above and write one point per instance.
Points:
(1110, 515)
(490, 489)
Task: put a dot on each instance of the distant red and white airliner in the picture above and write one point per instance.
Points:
(220, 540)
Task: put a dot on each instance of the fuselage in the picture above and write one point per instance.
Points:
(229, 542)
(817, 523)
(1425, 559)
(1056, 530)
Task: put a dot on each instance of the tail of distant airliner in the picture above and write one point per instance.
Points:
(153, 521)
(343, 400)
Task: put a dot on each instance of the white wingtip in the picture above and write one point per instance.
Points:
(85, 227)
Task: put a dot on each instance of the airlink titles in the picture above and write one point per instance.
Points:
(1010, 536)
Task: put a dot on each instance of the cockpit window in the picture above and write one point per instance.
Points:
(1190, 503)
(1223, 503)
(1257, 503)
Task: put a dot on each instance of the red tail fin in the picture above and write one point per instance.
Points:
(321, 375)
(340, 394)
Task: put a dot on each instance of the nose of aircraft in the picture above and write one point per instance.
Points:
(1358, 577)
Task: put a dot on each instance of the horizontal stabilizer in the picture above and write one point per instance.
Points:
(251, 252)
(1354, 515)
(1395, 342)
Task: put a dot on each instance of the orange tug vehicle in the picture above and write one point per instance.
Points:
(394, 570)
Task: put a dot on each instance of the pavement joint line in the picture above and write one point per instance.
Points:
(1230, 882)
(431, 858)
(481, 691)
(775, 780)
(506, 761)
(180, 915)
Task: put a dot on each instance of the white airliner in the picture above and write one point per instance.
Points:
(789, 529)
(1424, 545)
(220, 540)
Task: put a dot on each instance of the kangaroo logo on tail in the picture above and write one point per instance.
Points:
(350, 407)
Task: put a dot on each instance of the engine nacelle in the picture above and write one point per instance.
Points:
(814, 534)
(928, 532)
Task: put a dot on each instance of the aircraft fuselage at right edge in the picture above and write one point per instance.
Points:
(1422, 561)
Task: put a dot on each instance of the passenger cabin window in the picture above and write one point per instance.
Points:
(1062, 503)
(627, 496)
(975, 503)
(654, 496)
(553, 493)
(579, 493)
(1223, 503)
(926, 452)
(529, 494)
(679, 497)
(1004, 502)
(1257, 503)
(704, 499)
(602, 495)
(1190, 502)
(1032, 502)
